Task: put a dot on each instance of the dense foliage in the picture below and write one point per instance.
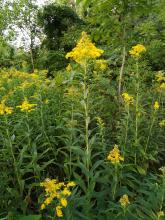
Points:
(82, 124)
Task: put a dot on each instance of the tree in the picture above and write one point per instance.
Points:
(114, 23)
(61, 27)
(23, 19)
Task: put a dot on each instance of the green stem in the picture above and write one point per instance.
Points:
(115, 182)
(137, 107)
(126, 132)
(28, 129)
(86, 109)
(70, 150)
(150, 130)
(43, 124)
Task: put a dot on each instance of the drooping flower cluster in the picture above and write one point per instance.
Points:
(26, 106)
(124, 200)
(156, 105)
(58, 191)
(5, 109)
(114, 155)
(84, 50)
(127, 98)
(137, 50)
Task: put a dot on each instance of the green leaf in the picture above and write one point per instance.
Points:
(141, 170)
(29, 217)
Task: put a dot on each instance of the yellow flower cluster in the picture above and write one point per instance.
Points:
(137, 50)
(162, 123)
(160, 76)
(69, 68)
(101, 65)
(100, 122)
(124, 200)
(156, 105)
(84, 50)
(72, 91)
(162, 169)
(162, 86)
(56, 190)
(127, 98)
(5, 109)
(114, 155)
(160, 79)
(26, 106)
(160, 214)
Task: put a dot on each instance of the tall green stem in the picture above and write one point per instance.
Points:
(126, 131)
(70, 149)
(137, 107)
(28, 129)
(43, 124)
(87, 119)
(150, 130)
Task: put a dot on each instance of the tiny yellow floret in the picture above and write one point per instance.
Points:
(156, 105)
(124, 200)
(162, 123)
(59, 211)
(63, 202)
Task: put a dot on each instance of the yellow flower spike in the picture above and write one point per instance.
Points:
(59, 211)
(124, 200)
(114, 155)
(127, 98)
(84, 50)
(156, 105)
